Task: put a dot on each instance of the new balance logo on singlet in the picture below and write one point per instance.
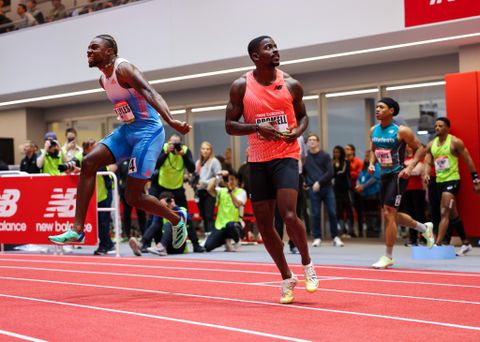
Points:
(8, 202)
(438, 2)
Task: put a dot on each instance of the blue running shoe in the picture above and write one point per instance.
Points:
(70, 236)
(179, 232)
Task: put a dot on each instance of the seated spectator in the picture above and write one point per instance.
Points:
(70, 149)
(230, 201)
(26, 19)
(91, 6)
(51, 156)
(5, 22)
(29, 162)
(165, 246)
(33, 10)
(57, 12)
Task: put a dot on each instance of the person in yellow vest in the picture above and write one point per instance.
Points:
(442, 153)
(230, 202)
(104, 196)
(169, 175)
(51, 156)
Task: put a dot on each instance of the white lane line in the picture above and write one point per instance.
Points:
(20, 336)
(278, 282)
(290, 306)
(264, 284)
(234, 271)
(219, 262)
(176, 320)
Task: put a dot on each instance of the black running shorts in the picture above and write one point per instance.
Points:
(392, 189)
(267, 177)
(452, 187)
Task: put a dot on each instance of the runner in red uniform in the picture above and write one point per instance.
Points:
(274, 116)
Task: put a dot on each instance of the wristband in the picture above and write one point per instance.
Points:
(257, 127)
(474, 176)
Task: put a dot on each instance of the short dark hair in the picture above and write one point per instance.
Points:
(254, 43)
(445, 120)
(23, 6)
(352, 146)
(110, 40)
(165, 195)
(71, 130)
(232, 173)
(311, 134)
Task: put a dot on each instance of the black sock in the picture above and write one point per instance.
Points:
(457, 225)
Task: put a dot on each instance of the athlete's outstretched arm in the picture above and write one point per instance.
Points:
(406, 134)
(296, 90)
(234, 112)
(129, 76)
(462, 150)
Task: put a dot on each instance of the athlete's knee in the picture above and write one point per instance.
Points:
(90, 165)
(290, 218)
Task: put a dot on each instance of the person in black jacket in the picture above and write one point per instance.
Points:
(29, 163)
(318, 173)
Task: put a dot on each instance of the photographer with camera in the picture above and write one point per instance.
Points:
(70, 148)
(169, 176)
(51, 156)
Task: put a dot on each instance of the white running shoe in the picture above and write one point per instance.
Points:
(464, 250)
(383, 262)
(287, 289)
(311, 281)
(316, 243)
(428, 234)
(337, 242)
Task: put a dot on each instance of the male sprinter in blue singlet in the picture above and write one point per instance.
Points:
(140, 138)
(388, 142)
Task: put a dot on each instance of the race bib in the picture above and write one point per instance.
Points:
(442, 164)
(278, 120)
(384, 157)
(124, 112)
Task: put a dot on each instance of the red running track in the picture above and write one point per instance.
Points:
(58, 298)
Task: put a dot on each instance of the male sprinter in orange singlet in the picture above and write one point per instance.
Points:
(140, 138)
(274, 114)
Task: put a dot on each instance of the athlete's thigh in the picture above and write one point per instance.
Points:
(284, 173)
(118, 145)
(100, 156)
(145, 152)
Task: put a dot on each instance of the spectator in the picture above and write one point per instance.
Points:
(207, 167)
(51, 156)
(29, 162)
(70, 149)
(33, 10)
(230, 200)
(4, 20)
(26, 19)
(318, 173)
(342, 186)
(122, 174)
(356, 166)
(165, 246)
(104, 196)
(169, 175)
(368, 188)
(57, 12)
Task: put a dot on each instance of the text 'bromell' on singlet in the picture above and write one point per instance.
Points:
(129, 105)
(390, 151)
(272, 103)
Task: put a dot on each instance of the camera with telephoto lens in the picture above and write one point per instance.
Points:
(177, 147)
(68, 166)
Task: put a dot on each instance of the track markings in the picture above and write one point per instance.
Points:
(20, 336)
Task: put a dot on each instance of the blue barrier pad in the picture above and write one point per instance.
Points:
(436, 253)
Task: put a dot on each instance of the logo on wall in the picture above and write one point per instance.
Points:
(421, 12)
(8, 202)
(61, 203)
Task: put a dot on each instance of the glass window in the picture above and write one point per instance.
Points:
(347, 122)
(90, 128)
(210, 126)
(419, 107)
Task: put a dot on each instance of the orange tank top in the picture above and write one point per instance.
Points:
(271, 103)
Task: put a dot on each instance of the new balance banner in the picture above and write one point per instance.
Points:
(421, 12)
(34, 207)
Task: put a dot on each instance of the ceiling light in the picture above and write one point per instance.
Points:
(416, 85)
(208, 109)
(422, 132)
(178, 111)
(353, 92)
(310, 97)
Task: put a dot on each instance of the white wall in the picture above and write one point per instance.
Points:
(162, 34)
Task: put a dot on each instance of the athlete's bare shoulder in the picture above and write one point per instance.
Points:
(239, 86)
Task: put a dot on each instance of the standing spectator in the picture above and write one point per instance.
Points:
(70, 149)
(342, 185)
(51, 156)
(169, 175)
(207, 167)
(57, 12)
(122, 174)
(26, 19)
(33, 10)
(230, 200)
(4, 20)
(356, 166)
(368, 188)
(318, 173)
(29, 162)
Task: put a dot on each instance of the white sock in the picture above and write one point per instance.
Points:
(389, 252)
(420, 227)
(309, 265)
